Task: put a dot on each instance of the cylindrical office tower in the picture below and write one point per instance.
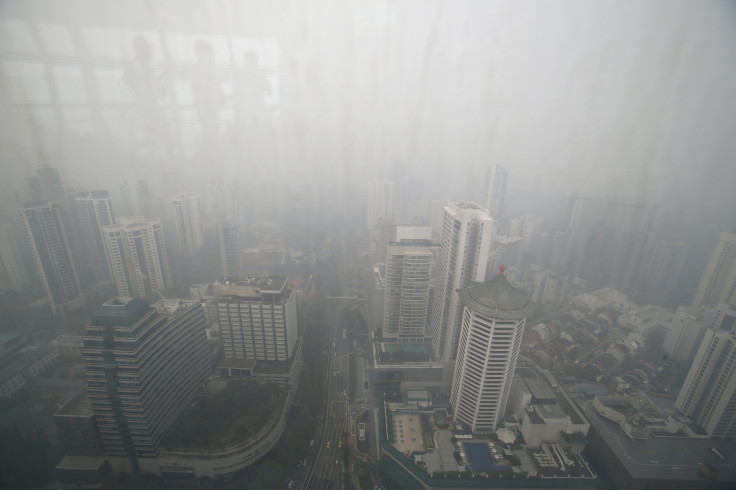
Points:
(493, 321)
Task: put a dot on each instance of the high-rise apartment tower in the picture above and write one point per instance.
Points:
(12, 271)
(227, 240)
(188, 220)
(467, 235)
(406, 293)
(496, 190)
(94, 210)
(47, 228)
(718, 282)
(708, 395)
(136, 254)
(136, 199)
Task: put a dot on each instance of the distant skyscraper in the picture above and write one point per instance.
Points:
(528, 227)
(607, 239)
(437, 215)
(258, 318)
(94, 210)
(46, 185)
(496, 190)
(685, 330)
(385, 234)
(559, 250)
(708, 395)
(221, 202)
(406, 293)
(136, 199)
(143, 366)
(493, 319)
(467, 235)
(136, 255)
(188, 220)
(227, 239)
(47, 229)
(718, 282)
(380, 200)
(665, 269)
(12, 271)
(548, 287)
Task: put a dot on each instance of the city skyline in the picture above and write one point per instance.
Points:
(363, 244)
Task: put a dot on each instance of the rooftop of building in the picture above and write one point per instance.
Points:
(101, 194)
(663, 458)
(411, 245)
(121, 311)
(540, 390)
(439, 467)
(467, 205)
(251, 287)
(497, 298)
(14, 363)
(631, 405)
(130, 224)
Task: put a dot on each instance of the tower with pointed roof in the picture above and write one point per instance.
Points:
(493, 319)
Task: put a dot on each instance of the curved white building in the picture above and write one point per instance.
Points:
(494, 315)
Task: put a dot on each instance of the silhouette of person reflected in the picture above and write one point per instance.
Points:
(206, 91)
(148, 88)
(250, 90)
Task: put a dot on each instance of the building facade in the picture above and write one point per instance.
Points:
(467, 235)
(136, 255)
(136, 199)
(47, 227)
(12, 271)
(227, 240)
(143, 366)
(494, 315)
(258, 318)
(385, 233)
(406, 289)
(188, 220)
(607, 239)
(94, 210)
(380, 201)
(496, 190)
(708, 395)
(718, 282)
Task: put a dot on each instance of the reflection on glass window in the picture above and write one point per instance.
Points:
(181, 45)
(25, 81)
(110, 85)
(15, 35)
(70, 84)
(56, 39)
(77, 120)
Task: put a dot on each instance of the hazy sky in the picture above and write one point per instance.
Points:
(608, 97)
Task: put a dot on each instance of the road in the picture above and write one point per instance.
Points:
(326, 469)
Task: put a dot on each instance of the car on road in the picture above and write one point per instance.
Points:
(339, 444)
(328, 444)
